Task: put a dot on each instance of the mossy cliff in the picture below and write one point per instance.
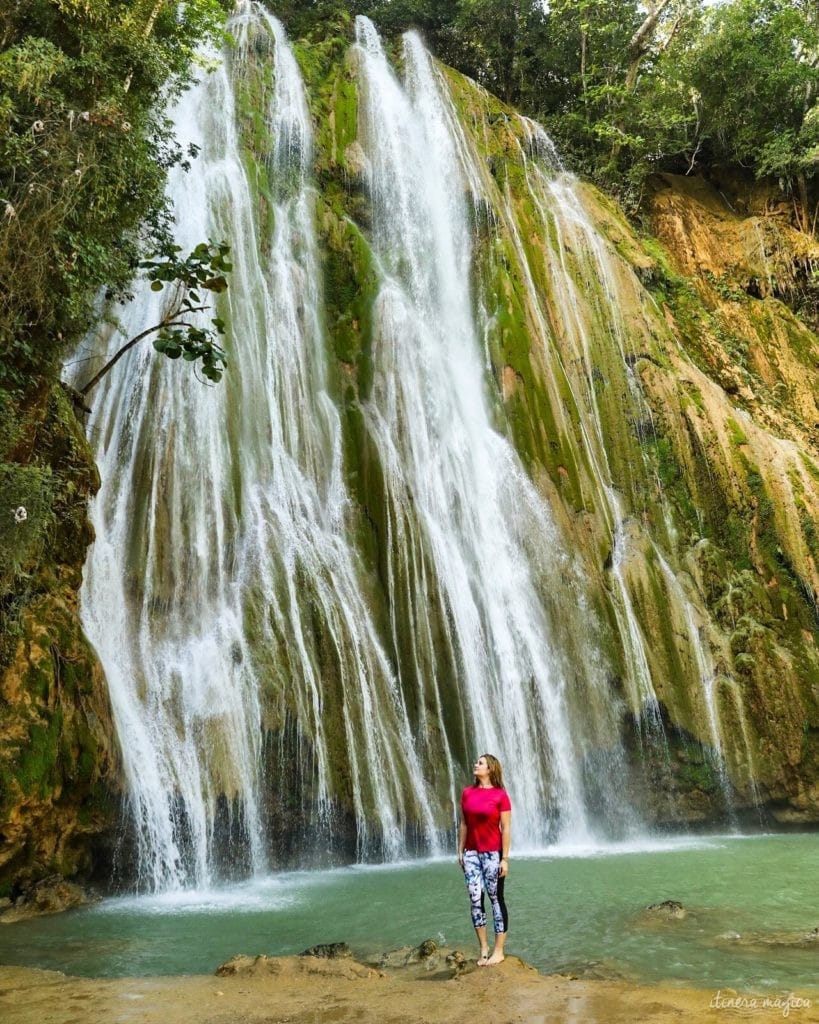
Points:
(736, 419)
(58, 757)
(676, 364)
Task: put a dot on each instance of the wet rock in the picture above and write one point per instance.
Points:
(58, 803)
(427, 960)
(328, 951)
(49, 896)
(356, 163)
(781, 939)
(242, 964)
(340, 966)
(589, 970)
(406, 955)
(668, 910)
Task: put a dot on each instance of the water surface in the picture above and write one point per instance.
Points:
(567, 908)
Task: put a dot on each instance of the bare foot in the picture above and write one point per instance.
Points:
(496, 958)
(484, 958)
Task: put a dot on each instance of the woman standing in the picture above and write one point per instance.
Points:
(484, 837)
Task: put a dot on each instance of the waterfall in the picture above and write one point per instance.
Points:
(161, 599)
(483, 546)
(220, 526)
(270, 676)
(585, 325)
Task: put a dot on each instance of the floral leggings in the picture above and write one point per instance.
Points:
(482, 873)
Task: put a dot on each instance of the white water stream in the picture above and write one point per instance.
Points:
(483, 542)
(248, 665)
(220, 524)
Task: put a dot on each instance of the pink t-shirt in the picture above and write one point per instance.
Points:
(482, 810)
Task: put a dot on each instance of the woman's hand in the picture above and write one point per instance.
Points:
(461, 859)
(504, 867)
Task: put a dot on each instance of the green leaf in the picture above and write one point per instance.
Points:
(156, 286)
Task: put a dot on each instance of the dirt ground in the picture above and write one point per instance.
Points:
(309, 990)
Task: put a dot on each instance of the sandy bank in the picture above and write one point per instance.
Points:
(308, 990)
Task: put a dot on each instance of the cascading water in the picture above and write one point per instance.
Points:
(557, 203)
(161, 599)
(483, 546)
(220, 525)
(268, 673)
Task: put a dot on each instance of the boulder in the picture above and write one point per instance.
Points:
(48, 896)
(668, 910)
(328, 951)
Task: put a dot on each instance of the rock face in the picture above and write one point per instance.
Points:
(700, 367)
(48, 896)
(737, 421)
(58, 756)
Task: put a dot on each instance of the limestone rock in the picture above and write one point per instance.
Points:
(49, 896)
(243, 964)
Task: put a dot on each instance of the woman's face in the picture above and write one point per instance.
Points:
(481, 769)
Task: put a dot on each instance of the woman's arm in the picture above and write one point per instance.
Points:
(461, 840)
(506, 840)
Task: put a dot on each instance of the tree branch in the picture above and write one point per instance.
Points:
(640, 40)
(146, 32)
(137, 338)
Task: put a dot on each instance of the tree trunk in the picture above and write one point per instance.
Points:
(802, 185)
(638, 47)
(640, 42)
(149, 27)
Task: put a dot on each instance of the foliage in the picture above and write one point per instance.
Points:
(26, 493)
(628, 87)
(202, 270)
(84, 150)
(754, 69)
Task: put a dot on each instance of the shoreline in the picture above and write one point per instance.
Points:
(445, 988)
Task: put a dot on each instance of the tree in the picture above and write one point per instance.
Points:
(756, 69)
(202, 270)
(84, 151)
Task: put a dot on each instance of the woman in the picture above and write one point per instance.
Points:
(484, 837)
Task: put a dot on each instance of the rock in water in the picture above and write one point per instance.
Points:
(243, 964)
(328, 950)
(49, 896)
(407, 955)
(668, 910)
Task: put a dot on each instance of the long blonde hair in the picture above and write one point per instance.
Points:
(495, 770)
